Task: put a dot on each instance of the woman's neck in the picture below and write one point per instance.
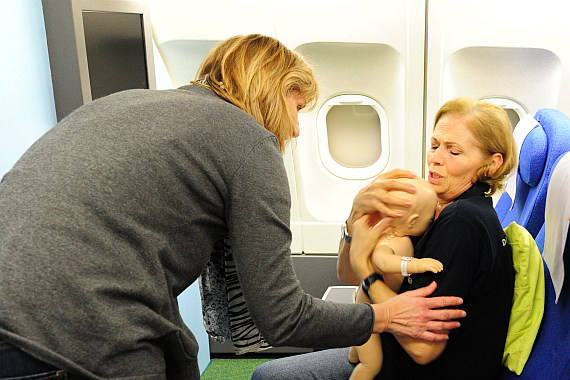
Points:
(440, 206)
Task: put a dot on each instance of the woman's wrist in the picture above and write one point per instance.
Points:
(381, 318)
(352, 217)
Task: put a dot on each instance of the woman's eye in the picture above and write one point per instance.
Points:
(454, 153)
(433, 147)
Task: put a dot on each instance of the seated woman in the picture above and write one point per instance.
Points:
(472, 151)
(391, 261)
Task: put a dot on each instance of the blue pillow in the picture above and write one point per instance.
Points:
(532, 157)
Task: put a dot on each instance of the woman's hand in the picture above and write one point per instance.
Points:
(412, 314)
(366, 232)
(376, 198)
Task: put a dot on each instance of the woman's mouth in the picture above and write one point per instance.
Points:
(434, 178)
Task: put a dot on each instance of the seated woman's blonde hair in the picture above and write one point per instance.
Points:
(492, 128)
(256, 73)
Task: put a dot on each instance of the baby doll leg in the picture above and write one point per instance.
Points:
(369, 354)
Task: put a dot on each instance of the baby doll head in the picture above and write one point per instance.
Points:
(416, 218)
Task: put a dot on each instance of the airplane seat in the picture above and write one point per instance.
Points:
(532, 160)
(550, 355)
(506, 205)
(521, 130)
(540, 149)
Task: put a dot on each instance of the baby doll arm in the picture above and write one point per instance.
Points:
(424, 265)
(387, 258)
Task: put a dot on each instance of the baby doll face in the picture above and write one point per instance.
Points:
(418, 217)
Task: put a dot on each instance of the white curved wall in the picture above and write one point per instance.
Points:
(514, 50)
(509, 49)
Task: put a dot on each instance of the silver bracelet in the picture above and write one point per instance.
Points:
(344, 233)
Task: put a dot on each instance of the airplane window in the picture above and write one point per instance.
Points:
(353, 132)
(514, 110)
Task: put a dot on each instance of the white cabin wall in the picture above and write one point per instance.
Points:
(364, 47)
(511, 49)
(185, 31)
(391, 31)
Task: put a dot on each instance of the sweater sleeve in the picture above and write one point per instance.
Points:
(258, 213)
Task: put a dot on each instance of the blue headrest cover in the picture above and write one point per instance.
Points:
(532, 156)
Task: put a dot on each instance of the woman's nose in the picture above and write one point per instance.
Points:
(434, 156)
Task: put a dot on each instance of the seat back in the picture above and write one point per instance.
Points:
(541, 148)
(520, 133)
(550, 356)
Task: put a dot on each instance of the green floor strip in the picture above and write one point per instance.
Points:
(231, 369)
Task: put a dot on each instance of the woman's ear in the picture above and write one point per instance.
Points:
(495, 163)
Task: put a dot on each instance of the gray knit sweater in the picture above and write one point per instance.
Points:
(107, 218)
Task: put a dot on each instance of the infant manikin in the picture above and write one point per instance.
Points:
(393, 259)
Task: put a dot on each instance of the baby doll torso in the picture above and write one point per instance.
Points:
(400, 246)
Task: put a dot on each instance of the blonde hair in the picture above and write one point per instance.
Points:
(492, 128)
(256, 73)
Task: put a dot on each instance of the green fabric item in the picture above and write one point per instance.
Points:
(232, 369)
(528, 298)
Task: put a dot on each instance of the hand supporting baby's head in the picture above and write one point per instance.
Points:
(416, 218)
